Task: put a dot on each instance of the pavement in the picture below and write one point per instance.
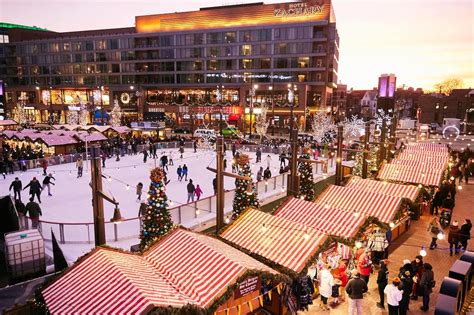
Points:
(407, 247)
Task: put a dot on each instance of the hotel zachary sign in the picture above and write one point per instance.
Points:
(299, 9)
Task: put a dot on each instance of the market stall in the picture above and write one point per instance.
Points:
(183, 272)
(371, 204)
(385, 188)
(327, 220)
(417, 174)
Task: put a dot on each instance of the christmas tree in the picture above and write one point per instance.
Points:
(306, 177)
(245, 195)
(156, 217)
(371, 162)
(116, 115)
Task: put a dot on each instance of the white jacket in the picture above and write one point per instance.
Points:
(393, 294)
(326, 281)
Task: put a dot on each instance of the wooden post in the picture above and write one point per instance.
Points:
(97, 201)
(220, 184)
(383, 148)
(293, 185)
(339, 155)
(365, 155)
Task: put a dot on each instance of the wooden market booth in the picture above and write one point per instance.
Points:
(184, 272)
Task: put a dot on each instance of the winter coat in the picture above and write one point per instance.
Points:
(466, 231)
(267, 174)
(406, 285)
(430, 228)
(198, 191)
(33, 209)
(16, 185)
(382, 277)
(454, 234)
(179, 171)
(356, 287)
(191, 188)
(35, 187)
(326, 281)
(47, 180)
(185, 170)
(79, 163)
(426, 279)
(394, 295)
(259, 175)
(365, 265)
(406, 267)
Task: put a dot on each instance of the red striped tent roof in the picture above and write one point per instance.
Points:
(383, 207)
(284, 242)
(427, 146)
(424, 155)
(329, 221)
(183, 268)
(427, 163)
(411, 174)
(385, 188)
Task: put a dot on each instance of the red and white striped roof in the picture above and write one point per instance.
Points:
(327, 220)
(385, 188)
(284, 242)
(426, 156)
(411, 174)
(381, 206)
(427, 163)
(429, 146)
(183, 268)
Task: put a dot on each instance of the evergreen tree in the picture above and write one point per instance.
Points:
(245, 195)
(306, 177)
(156, 217)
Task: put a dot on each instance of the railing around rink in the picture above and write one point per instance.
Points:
(191, 215)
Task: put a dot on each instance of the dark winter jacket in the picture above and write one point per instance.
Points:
(355, 288)
(406, 267)
(267, 174)
(33, 209)
(382, 277)
(191, 188)
(47, 179)
(466, 231)
(426, 279)
(406, 285)
(454, 234)
(35, 187)
(16, 185)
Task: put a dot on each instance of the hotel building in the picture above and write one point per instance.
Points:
(180, 67)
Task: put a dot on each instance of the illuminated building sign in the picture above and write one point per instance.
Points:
(295, 9)
(236, 16)
(2, 100)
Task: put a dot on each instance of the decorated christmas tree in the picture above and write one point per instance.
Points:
(245, 195)
(156, 217)
(116, 115)
(306, 177)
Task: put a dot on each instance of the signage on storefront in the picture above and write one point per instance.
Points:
(247, 286)
(296, 9)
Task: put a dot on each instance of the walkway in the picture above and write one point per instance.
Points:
(407, 247)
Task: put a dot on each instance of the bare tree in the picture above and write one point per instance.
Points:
(448, 85)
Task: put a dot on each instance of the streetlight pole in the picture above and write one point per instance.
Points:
(253, 88)
(291, 97)
(273, 108)
(50, 105)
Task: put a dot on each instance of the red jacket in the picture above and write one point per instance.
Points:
(454, 234)
(365, 265)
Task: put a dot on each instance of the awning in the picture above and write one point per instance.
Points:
(282, 241)
(368, 203)
(417, 174)
(384, 188)
(427, 146)
(327, 220)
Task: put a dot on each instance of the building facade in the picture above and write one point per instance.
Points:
(182, 67)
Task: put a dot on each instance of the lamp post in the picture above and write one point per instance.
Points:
(252, 93)
(271, 88)
(50, 118)
(292, 88)
(220, 97)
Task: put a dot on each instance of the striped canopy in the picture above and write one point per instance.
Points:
(183, 268)
(431, 163)
(411, 174)
(427, 146)
(284, 242)
(384, 188)
(426, 156)
(327, 220)
(381, 206)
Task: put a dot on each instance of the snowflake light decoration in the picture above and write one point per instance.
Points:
(206, 142)
(381, 115)
(353, 126)
(324, 130)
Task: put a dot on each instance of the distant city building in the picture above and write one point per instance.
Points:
(354, 101)
(386, 92)
(339, 102)
(185, 67)
(369, 104)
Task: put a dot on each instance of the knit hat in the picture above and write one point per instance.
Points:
(406, 261)
(455, 223)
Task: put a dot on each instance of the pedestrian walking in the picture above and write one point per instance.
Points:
(465, 233)
(427, 283)
(267, 174)
(17, 187)
(21, 210)
(139, 191)
(79, 165)
(35, 189)
(454, 236)
(417, 267)
(365, 266)
(355, 289)
(377, 244)
(259, 155)
(145, 155)
(171, 154)
(268, 160)
(185, 172)
(47, 183)
(34, 211)
(394, 296)
(434, 228)
(179, 171)
(260, 174)
(382, 282)
(181, 151)
(191, 190)
(326, 281)
(198, 192)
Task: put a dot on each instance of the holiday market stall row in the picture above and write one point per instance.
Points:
(183, 272)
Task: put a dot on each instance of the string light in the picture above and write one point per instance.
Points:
(264, 228)
(227, 220)
(306, 236)
(423, 251)
(440, 236)
(358, 244)
(391, 224)
(198, 212)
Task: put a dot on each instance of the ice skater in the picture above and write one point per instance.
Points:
(145, 155)
(185, 173)
(79, 165)
(171, 158)
(35, 189)
(47, 183)
(198, 192)
(180, 173)
(17, 186)
(139, 191)
(191, 190)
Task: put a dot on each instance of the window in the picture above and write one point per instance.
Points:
(230, 37)
(89, 45)
(77, 57)
(246, 50)
(66, 46)
(113, 44)
(115, 68)
(4, 39)
(303, 62)
(101, 44)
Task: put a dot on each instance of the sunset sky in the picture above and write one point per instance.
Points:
(421, 41)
